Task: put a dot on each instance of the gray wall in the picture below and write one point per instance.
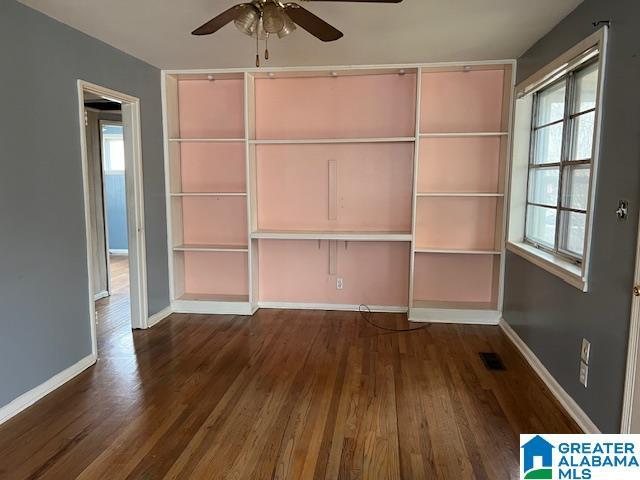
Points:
(551, 316)
(44, 306)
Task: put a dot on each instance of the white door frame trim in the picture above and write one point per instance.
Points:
(135, 203)
(631, 393)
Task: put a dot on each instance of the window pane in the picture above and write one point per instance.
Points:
(551, 104)
(575, 191)
(548, 144)
(582, 136)
(543, 185)
(541, 225)
(573, 228)
(586, 86)
(113, 148)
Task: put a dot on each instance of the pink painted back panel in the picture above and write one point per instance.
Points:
(374, 273)
(373, 187)
(214, 220)
(342, 107)
(453, 278)
(461, 101)
(459, 164)
(216, 273)
(211, 109)
(213, 167)
(464, 223)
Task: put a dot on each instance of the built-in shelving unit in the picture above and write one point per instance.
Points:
(392, 179)
(457, 253)
(207, 194)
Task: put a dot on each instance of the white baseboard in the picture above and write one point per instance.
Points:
(116, 251)
(156, 318)
(568, 403)
(330, 306)
(454, 315)
(100, 295)
(32, 396)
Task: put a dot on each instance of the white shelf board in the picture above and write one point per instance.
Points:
(212, 140)
(210, 248)
(209, 194)
(343, 236)
(302, 141)
(463, 134)
(207, 297)
(457, 251)
(459, 194)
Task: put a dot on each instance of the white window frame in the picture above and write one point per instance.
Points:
(558, 263)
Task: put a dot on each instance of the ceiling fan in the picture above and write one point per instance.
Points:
(261, 18)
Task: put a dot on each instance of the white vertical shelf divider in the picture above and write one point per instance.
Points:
(414, 199)
(249, 134)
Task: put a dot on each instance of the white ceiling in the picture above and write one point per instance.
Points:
(414, 31)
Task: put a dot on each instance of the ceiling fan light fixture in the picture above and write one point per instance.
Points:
(288, 26)
(247, 21)
(272, 17)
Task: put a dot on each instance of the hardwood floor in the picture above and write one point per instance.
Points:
(285, 394)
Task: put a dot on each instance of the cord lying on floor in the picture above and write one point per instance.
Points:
(365, 313)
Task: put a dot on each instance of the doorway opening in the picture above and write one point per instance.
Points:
(114, 214)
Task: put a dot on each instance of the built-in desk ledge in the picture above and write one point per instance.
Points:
(567, 271)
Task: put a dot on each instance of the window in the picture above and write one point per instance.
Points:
(113, 148)
(554, 161)
(560, 163)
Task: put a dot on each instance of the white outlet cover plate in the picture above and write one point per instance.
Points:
(584, 374)
(585, 351)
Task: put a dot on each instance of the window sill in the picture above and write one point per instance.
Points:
(570, 273)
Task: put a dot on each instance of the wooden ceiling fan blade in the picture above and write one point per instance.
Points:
(312, 23)
(220, 21)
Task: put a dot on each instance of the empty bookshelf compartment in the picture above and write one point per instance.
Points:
(455, 281)
(461, 102)
(459, 223)
(214, 220)
(213, 167)
(459, 164)
(211, 109)
(215, 276)
(346, 187)
(336, 107)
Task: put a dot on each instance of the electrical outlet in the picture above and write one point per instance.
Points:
(585, 351)
(584, 373)
(339, 283)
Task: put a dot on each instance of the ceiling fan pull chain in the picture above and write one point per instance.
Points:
(257, 51)
(266, 48)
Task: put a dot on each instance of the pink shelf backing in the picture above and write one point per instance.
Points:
(342, 107)
(459, 164)
(213, 167)
(216, 273)
(462, 101)
(374, 273)
(369, 190)
(211, 109)
(454, 278)
(214, 220)
(463, 223)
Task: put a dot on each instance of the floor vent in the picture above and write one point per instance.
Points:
(492, 361)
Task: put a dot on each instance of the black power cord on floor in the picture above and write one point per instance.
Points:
(365, 313)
